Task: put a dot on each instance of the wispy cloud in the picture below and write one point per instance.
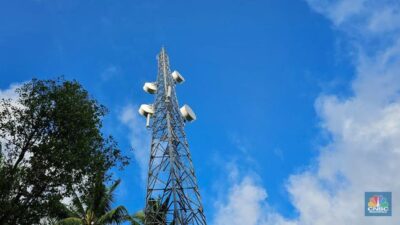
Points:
(110, 72)
(243, 204)
(364, 152)
(10, 93)
(138, 135)
(245, 201)
(360, 17)
(241, 198)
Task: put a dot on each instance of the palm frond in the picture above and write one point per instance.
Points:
(99, 199)
(137, 218)
(108, 197)
(117, 216)
(114, 186)
(71, 221)
(77, 205)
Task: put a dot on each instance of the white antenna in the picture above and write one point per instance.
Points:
(146, 111)
(187, 113)
(150, 87)
(177, 77)
(169, 91)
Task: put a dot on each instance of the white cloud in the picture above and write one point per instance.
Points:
(110, 72)
(364, 152)
(139, 136)
(361, 17)
(338, 11)
(384, 20)
(10, 93)
(245, 202)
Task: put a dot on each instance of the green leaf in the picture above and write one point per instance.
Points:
(71, 221)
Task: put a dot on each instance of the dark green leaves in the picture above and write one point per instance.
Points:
(52, 146)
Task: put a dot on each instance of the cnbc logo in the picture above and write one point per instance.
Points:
(378, 203)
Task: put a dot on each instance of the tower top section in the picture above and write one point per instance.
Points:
(164, 90)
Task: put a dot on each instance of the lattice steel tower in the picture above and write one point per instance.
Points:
(173, 196)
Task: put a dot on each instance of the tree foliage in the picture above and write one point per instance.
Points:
(157, 211)
(95, 208)
(51, 146)
(137, 218)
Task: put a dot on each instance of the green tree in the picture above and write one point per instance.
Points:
(157, 211)
(137, 218)
(95, 208)
(51, 145)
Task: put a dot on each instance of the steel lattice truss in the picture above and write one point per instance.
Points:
(172, 192)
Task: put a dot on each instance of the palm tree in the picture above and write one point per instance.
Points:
(95, 208)
(157, 212)
(137, 218)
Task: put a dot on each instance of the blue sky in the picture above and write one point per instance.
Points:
(260, 75)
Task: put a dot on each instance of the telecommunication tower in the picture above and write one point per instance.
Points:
(172, 196)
